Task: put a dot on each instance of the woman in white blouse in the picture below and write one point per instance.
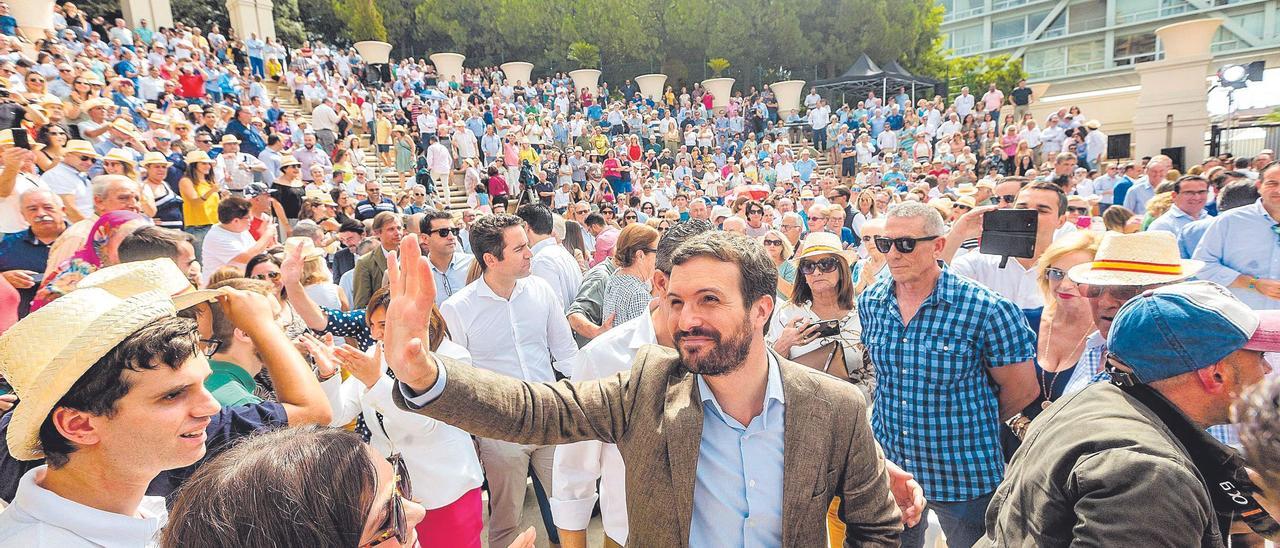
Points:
(435, 454)
(822, 311)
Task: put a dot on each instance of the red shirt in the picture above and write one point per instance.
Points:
(191, 85)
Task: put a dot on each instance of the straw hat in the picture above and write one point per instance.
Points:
(154, 157)
(966, 189)
(44, 355)
(966, 201)
(96, 102)
(1093, 124)
(80, 146)
(824, 243)
(1136, 259)
(288, 160)
(319, 195)
(197, 156)
(126, 127)
(119, 155)
(229, 139)
(309, 249)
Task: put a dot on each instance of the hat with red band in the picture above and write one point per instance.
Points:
(1144, 258)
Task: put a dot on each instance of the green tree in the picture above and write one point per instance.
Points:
(585, 54)
(978, 72)
(320, 20)
(364, 19)
(289, 26)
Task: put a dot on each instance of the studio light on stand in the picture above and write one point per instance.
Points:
(1236, 77)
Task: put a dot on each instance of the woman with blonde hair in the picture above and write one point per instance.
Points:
(1118, 218)
(1157, 206)
(1067, 325)
(780, 250)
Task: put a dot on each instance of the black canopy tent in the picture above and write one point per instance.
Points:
(864, 76)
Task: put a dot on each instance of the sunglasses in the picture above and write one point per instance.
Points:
(825, 265)
(204, 141)
(1055, 275)
(903, 244)
(1008, 198)
(445, 232)
(1120, 293)
(1078, 210)
(83, 157)
(773, 243)
(396, 525)
(961, 206)
(268, 276)
(629, 217)
(755, 212)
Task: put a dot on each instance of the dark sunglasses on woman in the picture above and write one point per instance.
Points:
(395, 526)
(825, 265)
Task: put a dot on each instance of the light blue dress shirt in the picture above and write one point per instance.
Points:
(1174, 220)
(453, 280)
(1139, 194)
(1191, 234)
(737, 492)
(1241, 242)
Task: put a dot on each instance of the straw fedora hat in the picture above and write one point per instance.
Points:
(44, 355)
(288, 160)
(229, 139)
(824, 243)
(79, 146)
(154, 157)
(1142, 258)
(126, 127)
(966, 189)
(197, 156)
(320, 196)
(309, 249)
(119, 155)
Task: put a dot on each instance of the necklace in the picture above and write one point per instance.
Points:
(1048, 378)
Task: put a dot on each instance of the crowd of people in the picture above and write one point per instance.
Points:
(227, 324)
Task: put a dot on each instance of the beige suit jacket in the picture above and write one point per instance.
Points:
(654, 414)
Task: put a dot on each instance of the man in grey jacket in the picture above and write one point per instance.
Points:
(1124, 463)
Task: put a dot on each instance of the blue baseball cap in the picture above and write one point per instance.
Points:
(1188, 326)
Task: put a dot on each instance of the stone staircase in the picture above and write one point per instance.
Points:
(384, 174)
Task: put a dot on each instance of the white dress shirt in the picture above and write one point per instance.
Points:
(436, 454)
(1013, 282)
(578, 465)
(39, 517)
(553, 263)
(516, 337)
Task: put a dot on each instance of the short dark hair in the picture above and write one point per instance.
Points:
(222, 327)
(232, 208)
(538, 217)
(351, 225)
(487, 236)
(1177, 185)
(1051, 187)
(1236, 194)
(430, 215)
(676, 235)
(757, 275)
(251, 494)
(594, 219)
(152, 242)
(169, 340)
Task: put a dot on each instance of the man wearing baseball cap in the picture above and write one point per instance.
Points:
(1128, 463)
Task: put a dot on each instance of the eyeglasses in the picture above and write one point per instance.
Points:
(773, 243)
(790, 227)
(961, 206)
(1008, 198)
(1078, 210)
(629, 217)
(825, 265)
(395, 526)
(903, 244)
(83, 157)
(755, 212)
(1055, 275)
(1120, 293)
(445, 232)
(209, 347)
(273, 276)
(204, 141)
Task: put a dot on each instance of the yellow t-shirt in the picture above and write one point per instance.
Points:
(383, 127)
(201, 212)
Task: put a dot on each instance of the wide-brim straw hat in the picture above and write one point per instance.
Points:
(288, 160)
(823, 243)
(309, 249)
(47, 352)
(154, 157)
(120, 155)
(319, 195)
(126, 127)
(79, 146)
(198, 156)
(229, 139)
(1143, 258)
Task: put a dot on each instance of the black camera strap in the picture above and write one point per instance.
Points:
(1221, 467)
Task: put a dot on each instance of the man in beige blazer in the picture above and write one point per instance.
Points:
(670, 414)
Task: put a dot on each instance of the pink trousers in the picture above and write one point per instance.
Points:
(454, 525)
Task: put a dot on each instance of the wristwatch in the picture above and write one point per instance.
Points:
(1253, 284)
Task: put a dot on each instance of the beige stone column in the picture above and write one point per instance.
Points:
(158, 13)
(252, 16)
(1170, 110)
(34, 16)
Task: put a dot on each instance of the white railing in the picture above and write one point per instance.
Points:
(950, 16)
(1067, 70)
(1154, 13)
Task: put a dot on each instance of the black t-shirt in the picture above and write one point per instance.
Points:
(1021, 96)
(225, 428)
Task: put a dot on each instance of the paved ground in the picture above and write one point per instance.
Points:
(595, 532)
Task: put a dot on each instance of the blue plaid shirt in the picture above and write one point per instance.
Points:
(936, 412)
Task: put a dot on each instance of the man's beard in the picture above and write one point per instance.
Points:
(725, 357)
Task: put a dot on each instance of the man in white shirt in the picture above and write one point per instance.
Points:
(513, 324)
(234, 169)
(70, 181)
(324, 120)
(1017, 281)
(229, 241)
(551, 261)
(449, 264)
(17, 176)
(439, 163)
(819, 117)
(964, 103)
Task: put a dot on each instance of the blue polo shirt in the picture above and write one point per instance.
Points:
(23, 251)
